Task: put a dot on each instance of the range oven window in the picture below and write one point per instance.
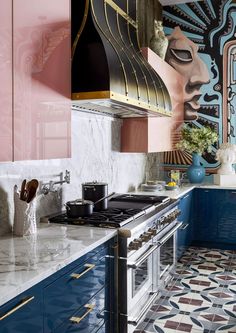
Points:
(142, 275)
(166, 255)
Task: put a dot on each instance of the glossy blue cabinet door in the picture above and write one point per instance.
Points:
(215, 218)
(184, 236)
(23, 314)
(205, 215)
(67, 294)
(226, 221)
(87, 319)
(88, 282)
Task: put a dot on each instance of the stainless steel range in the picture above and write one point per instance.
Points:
(147, 227)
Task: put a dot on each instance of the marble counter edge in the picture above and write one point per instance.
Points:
(181, 191)
(175, 194)
(32, 281)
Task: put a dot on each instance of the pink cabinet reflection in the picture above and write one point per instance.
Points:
(6, 80)
(41, 79)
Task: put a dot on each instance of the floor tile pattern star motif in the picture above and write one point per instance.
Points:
(200, 297)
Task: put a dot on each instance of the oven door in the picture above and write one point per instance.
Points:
(166, 255)
(140, 271)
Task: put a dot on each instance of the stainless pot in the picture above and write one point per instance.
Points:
(81, 207)
(95, 191)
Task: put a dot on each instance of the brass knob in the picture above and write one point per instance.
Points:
(135, 245)
(153, 231)
(146, 236)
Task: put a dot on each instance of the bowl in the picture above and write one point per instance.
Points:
(171, 188)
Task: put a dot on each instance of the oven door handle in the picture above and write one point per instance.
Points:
(138, 262)
(135, 321)
(169, 234)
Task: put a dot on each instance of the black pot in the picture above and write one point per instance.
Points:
(94, 191)
(82, 208)
(79, 208)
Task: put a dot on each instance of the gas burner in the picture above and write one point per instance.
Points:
(122, 209)
(112, 217)
(151, 199)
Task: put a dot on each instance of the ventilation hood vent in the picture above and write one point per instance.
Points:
(109, 73)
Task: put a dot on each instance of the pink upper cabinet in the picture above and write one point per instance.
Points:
(6, 80)
(41, 64)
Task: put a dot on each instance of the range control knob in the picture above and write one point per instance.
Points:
(146, 236)
(153, 231)
(135, 244)
(177, 212)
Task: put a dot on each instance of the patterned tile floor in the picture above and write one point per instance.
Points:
(200, 297)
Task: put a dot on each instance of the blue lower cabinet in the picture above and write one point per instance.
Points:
(185, 233)
(226, 217)
(77, 298)
(23, 313)
(88, 318)
(215, 218)
(76, 288)
(205, 215)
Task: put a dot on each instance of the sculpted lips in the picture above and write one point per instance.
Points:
(191, 108)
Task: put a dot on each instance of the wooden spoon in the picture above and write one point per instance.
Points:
(23, 191)
(31, 188)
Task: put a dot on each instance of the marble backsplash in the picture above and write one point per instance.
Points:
(95, 156)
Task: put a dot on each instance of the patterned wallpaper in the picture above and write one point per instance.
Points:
(204, 36)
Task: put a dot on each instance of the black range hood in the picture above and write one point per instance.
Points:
(109, 73)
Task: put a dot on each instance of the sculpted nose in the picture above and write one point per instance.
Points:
(200, 74)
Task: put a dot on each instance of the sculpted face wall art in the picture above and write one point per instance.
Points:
(182, 54)
(202, 48)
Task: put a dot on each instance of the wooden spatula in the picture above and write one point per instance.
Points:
(31, 188)
(23, 191)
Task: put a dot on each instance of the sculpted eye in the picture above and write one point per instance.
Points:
(182, 55)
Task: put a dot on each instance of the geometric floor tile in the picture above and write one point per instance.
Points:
(200, 297)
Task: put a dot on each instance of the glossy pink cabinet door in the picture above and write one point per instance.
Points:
(6, 81)
(41, 64)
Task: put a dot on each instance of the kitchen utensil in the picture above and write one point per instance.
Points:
(31, 189)
(23, 191)
(81, 207)
(94, 191)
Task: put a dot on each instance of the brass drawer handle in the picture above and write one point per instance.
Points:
(77, 320)
(23, 303)
(88, 268)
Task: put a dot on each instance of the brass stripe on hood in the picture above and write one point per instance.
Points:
(108, 67)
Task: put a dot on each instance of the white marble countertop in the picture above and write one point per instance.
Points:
(181, 191)
(175, 194)
(25, 261)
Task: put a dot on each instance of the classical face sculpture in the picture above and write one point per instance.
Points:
(182, 55)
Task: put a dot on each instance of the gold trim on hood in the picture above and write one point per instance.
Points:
(122, 13)
(81, 28)
(110, 97)
(109, 73)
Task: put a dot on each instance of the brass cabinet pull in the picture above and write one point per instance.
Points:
(88, 268)
(184, 226)
(77, 320)
(23, 303)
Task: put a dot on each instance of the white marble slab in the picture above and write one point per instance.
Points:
(25, 261)
(181, 191)
(175, 194)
